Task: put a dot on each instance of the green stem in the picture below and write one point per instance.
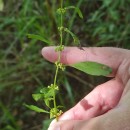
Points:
(59, 57)
(54, 96)
(61, 24)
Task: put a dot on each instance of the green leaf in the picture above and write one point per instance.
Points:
(47, 101)
(52, 115)
(79, 12)
(60, 106)
(44, 90)
(37, 37)
(36, 109)
(1, 5)
(48, 92)
(75, 38)
(76, 9)
(93, 68)
(37, 97)
(53, 112)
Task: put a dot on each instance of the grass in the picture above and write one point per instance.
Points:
(23, 71)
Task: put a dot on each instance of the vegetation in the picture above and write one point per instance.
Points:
(22, 68)
(48, 94)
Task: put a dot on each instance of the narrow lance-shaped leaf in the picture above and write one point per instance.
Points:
(75, 38)
(76, 9)
(47, 101)
(60, 106)
(36, 109)
(37, 37)
(93, 68)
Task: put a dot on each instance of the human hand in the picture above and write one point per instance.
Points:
(107, 107)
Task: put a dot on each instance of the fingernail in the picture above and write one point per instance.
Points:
(54, 128)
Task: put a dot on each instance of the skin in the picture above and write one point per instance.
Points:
(107, 107)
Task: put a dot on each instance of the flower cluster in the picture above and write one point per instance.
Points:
(60, 65)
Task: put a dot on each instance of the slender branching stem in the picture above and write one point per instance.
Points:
(48, 94)
(58, 60)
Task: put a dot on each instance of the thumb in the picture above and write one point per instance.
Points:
(92, 124)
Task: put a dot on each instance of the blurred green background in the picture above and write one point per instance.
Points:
(23, 70)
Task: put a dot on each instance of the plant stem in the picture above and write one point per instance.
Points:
(61, 24)
(54, 96)
(59, 57)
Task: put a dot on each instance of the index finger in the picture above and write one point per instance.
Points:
(105, 55)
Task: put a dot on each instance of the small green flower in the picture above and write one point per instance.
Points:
(61, 11)
(60, 65)
(59, 48)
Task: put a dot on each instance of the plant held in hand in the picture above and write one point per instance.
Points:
(48, 94)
